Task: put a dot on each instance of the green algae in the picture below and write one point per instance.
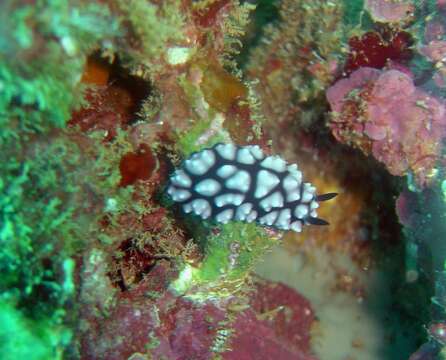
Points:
(23, 338)
(36, 95)
(44, 190)
(156, 26)
(229, 257)
(41, 213)
(353, 12)
(43, 224)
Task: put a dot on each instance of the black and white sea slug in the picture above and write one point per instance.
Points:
(229, 182)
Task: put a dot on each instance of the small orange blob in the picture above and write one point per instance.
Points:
(96, 72)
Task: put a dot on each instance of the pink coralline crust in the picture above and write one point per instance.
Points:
(291, 324)
(338, 92)
(257, 341)
(441, 4)
(406, 208)
(392, 65)
(151, 321)
(439, 78)
(389, 117)
(435, 50)
(390, 10)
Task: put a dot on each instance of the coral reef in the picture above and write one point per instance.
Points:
(382, 103)
(391, 106)
(83, 215)
(399, 11)
(165, 325)
(378, 49)
(383, 113)
(102, 101)
(296, 60)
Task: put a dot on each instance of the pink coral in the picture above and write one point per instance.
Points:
(390, 10)
(407, 209)
(148, 321)
(384, 114)
(441, 4)
(435, 50)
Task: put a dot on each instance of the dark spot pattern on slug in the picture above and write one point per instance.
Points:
(229, 182)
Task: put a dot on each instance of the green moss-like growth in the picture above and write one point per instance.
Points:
(230, 256)
(37, 94)
(22, 338)
(156, 26)
(188, 141)
(39, 197)
(46, 199)
(353, 12)
(233, 251)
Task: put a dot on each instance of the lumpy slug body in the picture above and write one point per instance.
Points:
(239, 183)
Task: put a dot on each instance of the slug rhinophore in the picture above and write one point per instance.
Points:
(229, 182)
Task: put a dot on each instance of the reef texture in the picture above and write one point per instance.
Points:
(384, 89)
(384, 114)
(378, 49)
(393, 11)
(99, 103)
(102, 101)
(274, 322)
(296, 60)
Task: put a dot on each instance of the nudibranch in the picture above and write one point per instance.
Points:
(229, 182)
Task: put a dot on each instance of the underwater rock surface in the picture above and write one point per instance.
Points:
(275, 322)
(384, 114)
(102, 101)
